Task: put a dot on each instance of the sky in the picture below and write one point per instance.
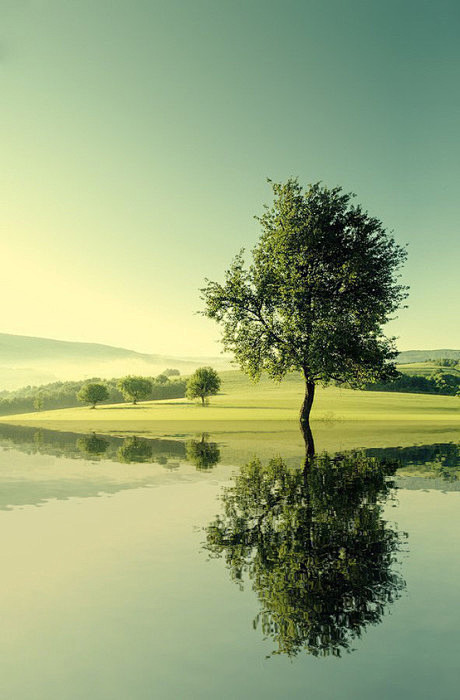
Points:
(137, 137)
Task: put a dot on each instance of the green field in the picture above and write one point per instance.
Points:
(242, 400)
(267, 412)
(426, 369)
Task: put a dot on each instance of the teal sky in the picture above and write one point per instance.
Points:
(137, 138)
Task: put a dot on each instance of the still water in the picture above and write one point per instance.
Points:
(155, 569)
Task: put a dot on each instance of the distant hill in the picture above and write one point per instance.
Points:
(408, 356)
(28, 360)
(15, 348)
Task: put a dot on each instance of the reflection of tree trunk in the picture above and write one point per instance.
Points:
(305, 418)
(309, 442)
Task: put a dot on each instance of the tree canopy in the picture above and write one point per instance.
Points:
(162, 378)
(93, 393)
(322, 283)
(135, 388)
(202, 383)
(171, 372)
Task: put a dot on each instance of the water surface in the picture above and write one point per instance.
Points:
(108, 589)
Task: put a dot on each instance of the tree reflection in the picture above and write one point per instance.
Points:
(438, 460)
(134, 449)
(315, 547)
(92, 445)
(201, 453)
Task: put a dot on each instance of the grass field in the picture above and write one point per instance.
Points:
(426, 369)
(268, 412)
(242, 400)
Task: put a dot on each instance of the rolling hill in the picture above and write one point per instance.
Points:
(409, 356)
(28, 360)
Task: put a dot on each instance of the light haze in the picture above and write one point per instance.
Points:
(137, 137)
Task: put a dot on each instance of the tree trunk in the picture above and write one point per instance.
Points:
(305, 417)
(202, 400)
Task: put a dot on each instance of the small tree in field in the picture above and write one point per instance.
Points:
(135, 388)
(39, 401)
(322, 283)
(93, 393)
(203, 383)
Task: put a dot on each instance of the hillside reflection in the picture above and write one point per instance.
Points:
(437, 460)
(314, 546)
(201, 451)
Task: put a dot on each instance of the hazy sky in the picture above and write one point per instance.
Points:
(137, 137)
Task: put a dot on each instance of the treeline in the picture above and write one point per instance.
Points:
(446, 362)
(438, 383)
(167, 385)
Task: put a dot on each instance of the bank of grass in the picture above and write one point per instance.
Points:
(248, 419)
(242, 401)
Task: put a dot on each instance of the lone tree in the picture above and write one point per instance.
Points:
(204, 382)
(135, 388)
(322, 282)
(93, 393)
